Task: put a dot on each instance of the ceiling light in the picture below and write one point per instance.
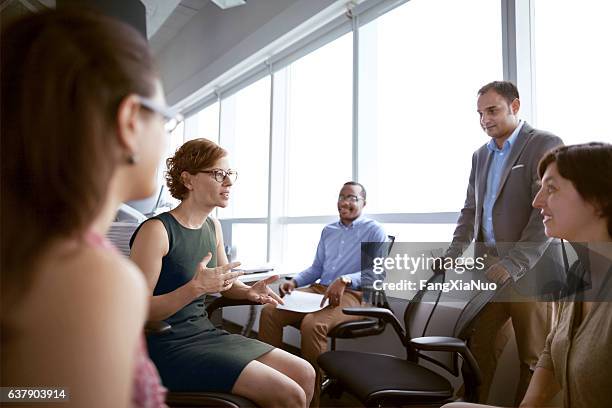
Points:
(225, 4)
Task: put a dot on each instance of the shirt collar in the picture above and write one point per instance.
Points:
(359, 220)
(492, 146)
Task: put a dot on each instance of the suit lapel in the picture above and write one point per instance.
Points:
(482, 179)
(519, 145)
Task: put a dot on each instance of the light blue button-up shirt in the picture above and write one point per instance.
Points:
(339, 252)
(493, 179)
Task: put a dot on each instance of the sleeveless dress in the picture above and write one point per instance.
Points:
(147, 391)
(195, 355)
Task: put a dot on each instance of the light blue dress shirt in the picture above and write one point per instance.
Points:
(493, 179)
(339, 252)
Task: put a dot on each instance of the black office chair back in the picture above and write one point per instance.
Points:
(464, 326)
(379, 298)
(421, 320)
(419, 312)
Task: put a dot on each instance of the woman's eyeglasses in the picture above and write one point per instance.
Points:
(171, 118)
(220, 175)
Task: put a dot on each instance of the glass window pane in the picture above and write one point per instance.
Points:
(301, 247)
(204, 124)
(249, 244)
(245, 134)
(420, 232)
(319, 130)
(420, 70)
(573, 68)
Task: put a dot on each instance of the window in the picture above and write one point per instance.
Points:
(249, 244)
(318, 128)
(245, 134)
(204, 124)
(572, 68)
(420, 69)
(301, 248)
(420, 232)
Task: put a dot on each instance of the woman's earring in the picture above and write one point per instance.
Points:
(132, 159)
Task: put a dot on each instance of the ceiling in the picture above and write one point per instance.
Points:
(165, 18)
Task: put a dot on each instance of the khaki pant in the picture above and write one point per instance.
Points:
(492, 330)
(313, 327)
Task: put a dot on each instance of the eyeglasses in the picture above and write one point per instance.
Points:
(350, 198)
(171, 118)
(220, 175)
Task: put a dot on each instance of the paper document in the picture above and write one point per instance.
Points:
(255, 269)
(302, 302)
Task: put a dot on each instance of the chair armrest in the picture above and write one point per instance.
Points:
(207, 399)
(223, 301)
(450, 344)
(156, 327)
(380, 313)
(356, 328)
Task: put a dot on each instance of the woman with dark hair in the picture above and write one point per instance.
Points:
(82, 131)
(182, 255)
(576, 202)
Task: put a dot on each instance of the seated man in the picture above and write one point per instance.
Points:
(338, 266)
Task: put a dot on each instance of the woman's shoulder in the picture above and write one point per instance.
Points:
(87, 280)
(84, 303)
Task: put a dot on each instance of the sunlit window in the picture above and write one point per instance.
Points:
(249, 244)
(319, 131)
(421, 67)
(204, 124)
(573, 63)
(301, 248)
(245, 134)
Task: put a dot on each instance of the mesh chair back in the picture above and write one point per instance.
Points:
(472, 308)
(422, 307)
(119, 235)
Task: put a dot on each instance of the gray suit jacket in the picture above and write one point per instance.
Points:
(518, 228)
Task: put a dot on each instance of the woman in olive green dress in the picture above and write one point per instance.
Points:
(181, 253)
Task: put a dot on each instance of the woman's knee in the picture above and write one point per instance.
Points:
(287, 394)
(300, 370)
(269, 387)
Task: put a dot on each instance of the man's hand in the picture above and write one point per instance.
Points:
(261, 293)
(334, 293)
(213, 280)
(286, 287)
(497, 273)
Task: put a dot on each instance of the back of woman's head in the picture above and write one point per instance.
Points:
(64, 74)
(589, 167)
(192, 156)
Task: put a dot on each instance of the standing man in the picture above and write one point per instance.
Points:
(337, 266)
(498, 215)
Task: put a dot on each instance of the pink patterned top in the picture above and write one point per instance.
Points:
(147, 392)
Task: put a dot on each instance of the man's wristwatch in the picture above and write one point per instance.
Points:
(346, 280)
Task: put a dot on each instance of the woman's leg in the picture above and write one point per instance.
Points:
(298, 369)
(268, 387)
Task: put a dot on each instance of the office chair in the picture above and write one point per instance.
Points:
(370, 326)
(383, 380)
(202, 399)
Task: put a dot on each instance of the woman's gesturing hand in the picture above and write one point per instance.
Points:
(213, 280)
(261, 293)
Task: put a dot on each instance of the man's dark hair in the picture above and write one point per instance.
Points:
(354, 183)
(504, 88)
